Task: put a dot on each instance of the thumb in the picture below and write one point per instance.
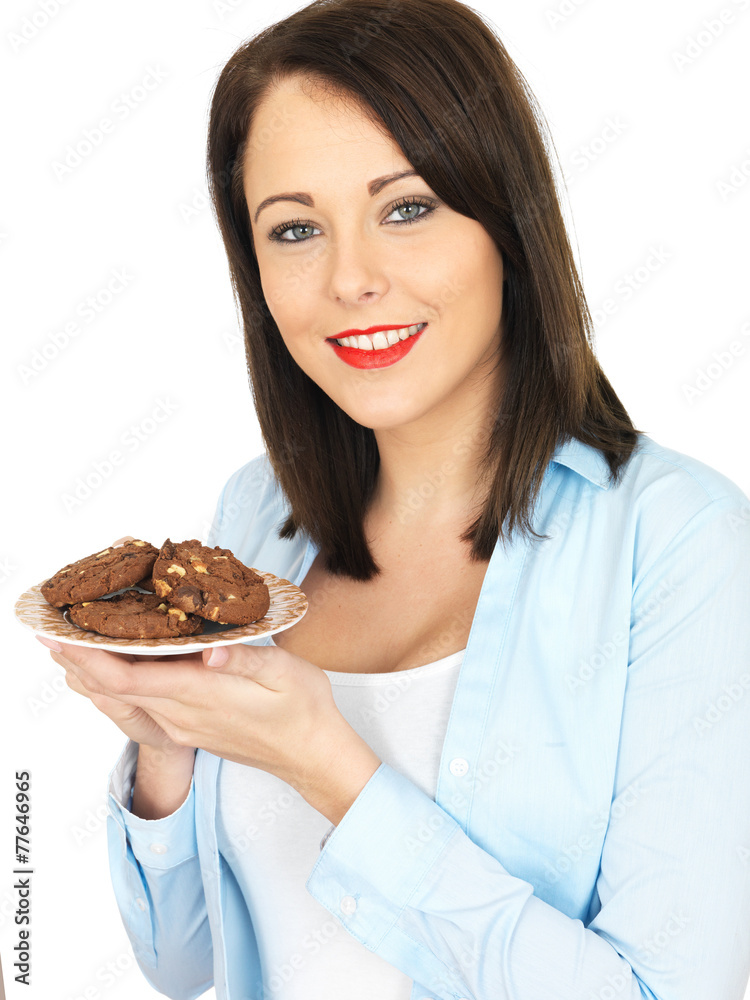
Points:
(266, 665)
(234, 659)
(218, 656)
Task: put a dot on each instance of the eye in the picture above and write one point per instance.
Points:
(290, 227)
(301, 230)
(412, 203)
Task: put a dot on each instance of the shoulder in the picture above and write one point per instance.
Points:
(251, 496)
(660, 498)
(655, 482)
(659, 482)
(658, 471)
(673, 499)
(253, 480)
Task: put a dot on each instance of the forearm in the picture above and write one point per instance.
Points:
(447, 914)
(162, 780)
(332, 786)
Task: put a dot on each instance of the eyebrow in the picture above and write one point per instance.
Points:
(373, 188)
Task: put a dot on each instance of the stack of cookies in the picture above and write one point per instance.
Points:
(187, 583)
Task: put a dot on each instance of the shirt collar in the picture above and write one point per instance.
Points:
(584, 459)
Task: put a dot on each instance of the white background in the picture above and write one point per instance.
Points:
(138, 205)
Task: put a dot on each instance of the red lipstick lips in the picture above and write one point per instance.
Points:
(382, 358)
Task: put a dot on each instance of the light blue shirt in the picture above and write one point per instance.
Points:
(590, 834)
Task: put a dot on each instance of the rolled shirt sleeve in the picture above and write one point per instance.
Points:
(158, 887)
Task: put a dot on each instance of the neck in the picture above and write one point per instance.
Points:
(429, 470)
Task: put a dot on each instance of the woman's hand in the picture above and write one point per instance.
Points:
(134, 722)
(262, 706)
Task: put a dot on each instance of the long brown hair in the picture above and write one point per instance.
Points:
(437, 78)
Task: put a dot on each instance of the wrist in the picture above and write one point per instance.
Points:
(150, 754)
(340, 777)
(162, 780)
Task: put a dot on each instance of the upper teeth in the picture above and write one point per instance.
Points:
(381, 339)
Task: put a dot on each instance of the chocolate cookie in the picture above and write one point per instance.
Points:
(212, 583)
(133, 615)
(99, 574)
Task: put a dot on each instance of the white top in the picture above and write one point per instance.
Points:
(270, 836)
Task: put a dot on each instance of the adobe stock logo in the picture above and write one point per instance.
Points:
(2, 987)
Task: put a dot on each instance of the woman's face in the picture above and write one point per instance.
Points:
(336, 254)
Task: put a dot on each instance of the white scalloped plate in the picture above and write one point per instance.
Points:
(288, 605)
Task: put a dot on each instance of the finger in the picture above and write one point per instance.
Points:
(178, 734)
(97, 700)
(72, 666)
(85, 687)
(58, 648)
(179, 721)
(121, 676)
(101, 698)
(268, 666)
(121, 541)
(93, 686)
(75, 684)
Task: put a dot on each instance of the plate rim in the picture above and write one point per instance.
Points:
(175, 645)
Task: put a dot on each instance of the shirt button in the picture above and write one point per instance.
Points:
(159, 848)
(459, 766)
(348, 905)
(140, 903)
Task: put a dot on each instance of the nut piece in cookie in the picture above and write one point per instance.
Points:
(133, 615)
(210, 582)
(101, 573)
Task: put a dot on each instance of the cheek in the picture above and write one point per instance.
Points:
(479, 267)
(289, 286)
(295, 319)
(280, 284)
(425, 279)
(476, 254)
(459, 272)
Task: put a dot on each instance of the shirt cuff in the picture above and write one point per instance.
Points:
(156, 843)
(382, 849)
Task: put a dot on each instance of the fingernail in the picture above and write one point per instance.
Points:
(219, 656)
(50, 643)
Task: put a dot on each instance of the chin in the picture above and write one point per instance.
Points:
(382, 419)
(372, 405)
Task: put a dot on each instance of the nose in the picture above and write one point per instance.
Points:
(356, 272)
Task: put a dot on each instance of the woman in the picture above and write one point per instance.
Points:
(494, 759)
